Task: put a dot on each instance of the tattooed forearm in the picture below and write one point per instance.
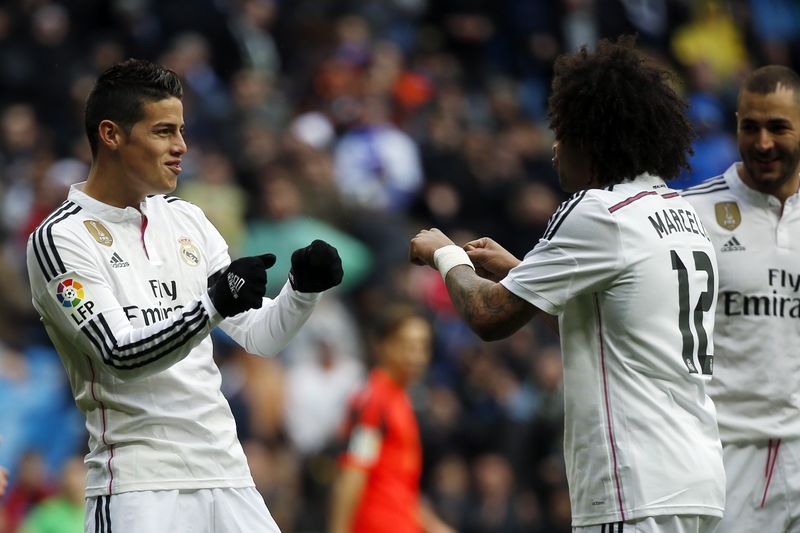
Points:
(490, 310)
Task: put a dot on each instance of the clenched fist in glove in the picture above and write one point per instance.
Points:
(242, 286)
(315, 268)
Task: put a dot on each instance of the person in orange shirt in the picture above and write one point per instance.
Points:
(377, 488)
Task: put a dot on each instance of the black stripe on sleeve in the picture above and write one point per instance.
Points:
(158, 339)
(45, 229)
(558, 218)
(112, 357)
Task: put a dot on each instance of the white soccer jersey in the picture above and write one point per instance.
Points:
(631, 274)
(122, 294)
(756, 385)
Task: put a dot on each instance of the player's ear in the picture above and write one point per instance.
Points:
(110, 134)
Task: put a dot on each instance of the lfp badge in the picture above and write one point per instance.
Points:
(69, 293)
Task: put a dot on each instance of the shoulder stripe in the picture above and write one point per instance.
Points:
(561, 213)
(709, 183)
(44, 245)
(630, 200)
(149, 349)
(170, 199)
(670, 195)
(694, 192)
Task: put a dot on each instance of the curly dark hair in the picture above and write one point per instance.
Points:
(619, 108)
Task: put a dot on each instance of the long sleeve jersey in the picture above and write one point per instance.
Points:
(123, 296)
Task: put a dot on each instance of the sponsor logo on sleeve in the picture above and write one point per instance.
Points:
(728, 215)
(189, 252)
(99, 232)
(69, 293)
(72, 297)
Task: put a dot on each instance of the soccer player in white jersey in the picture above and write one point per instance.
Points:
(129, 283)
(628, 269)
(752, 214)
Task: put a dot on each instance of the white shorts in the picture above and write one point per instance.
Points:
(656, 524)
(180, 511)
(763, 487)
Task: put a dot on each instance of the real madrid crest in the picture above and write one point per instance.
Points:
(728, 215)
(189, 252)
(99, 232)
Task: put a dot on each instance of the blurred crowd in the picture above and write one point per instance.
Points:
(358, 122)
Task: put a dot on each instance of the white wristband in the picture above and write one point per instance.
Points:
(450, 256)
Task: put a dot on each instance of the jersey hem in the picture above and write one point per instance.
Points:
(119, 488)
(695, 510)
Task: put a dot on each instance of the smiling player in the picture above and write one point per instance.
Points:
(753, 218)
(129, 283)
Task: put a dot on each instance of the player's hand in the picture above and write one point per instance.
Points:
(242, 286)
(491, 260)
(315, 268)
(426, 242)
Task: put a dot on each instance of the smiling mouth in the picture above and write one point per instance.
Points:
(175, 167)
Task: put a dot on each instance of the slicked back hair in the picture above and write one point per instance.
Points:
(121, 91)
(765, 80)
(618, 107)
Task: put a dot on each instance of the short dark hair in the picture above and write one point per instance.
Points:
(121, 92)
(619, 107)
(765, 80)
(390, 319)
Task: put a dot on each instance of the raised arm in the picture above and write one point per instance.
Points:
(490, 310)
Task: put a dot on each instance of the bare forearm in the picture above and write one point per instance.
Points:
(348, 490)
(487, 307)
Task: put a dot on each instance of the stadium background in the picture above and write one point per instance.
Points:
(360, 122)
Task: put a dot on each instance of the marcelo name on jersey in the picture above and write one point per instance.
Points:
(669, 221)
(735, 303)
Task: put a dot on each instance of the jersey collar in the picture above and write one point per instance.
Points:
(101, 210)
(741, 190)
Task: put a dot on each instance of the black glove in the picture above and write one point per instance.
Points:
(242, 286)
(315, 268)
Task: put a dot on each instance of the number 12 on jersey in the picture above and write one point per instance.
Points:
(691, 357)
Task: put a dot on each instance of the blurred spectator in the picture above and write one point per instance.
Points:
(495, 508)
(17, 313)
(281, 227)
(249, 24)
(29, 488)
(215, 190)
(276, 473)
(62, 512)
(378, 481)
(3, 481)
(324, 368)
(711, 37)
(377, 165)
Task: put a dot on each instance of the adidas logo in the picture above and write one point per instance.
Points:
(118, 262)
(733, 245)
